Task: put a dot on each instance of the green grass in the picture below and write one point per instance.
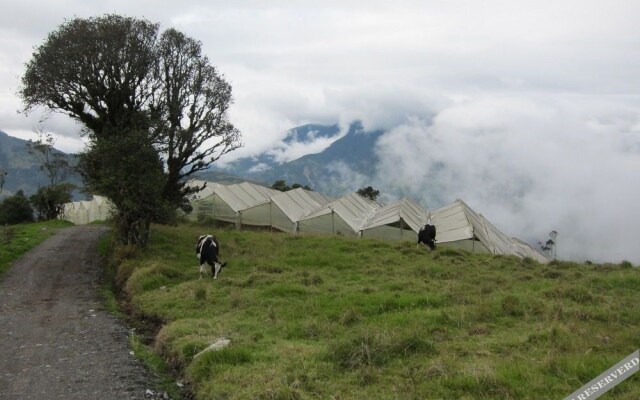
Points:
(15, 240)
(321, 317)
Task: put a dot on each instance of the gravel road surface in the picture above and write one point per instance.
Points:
(56, 339)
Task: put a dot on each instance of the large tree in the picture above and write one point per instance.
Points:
(135, 190)
(136, 89)
(194, 128)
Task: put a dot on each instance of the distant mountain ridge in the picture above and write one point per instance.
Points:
(323, 171)
(353, 151)
(304, 134)
(23, 169)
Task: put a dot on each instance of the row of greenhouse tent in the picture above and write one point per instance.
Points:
(304, 211)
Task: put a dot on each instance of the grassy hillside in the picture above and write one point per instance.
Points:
(333, 318)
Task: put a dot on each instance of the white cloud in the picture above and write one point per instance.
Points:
(530, 164)
(285, 152)
(344, 179)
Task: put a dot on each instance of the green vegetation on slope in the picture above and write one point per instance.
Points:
(321, 317)
(15, 240)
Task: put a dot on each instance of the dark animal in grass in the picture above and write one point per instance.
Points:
(427, 236)
(207, 250)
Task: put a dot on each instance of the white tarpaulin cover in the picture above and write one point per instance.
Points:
(400, 220)
(344, 216)
(287, 208)
(525, 250)
(202, 202)
(243, 203)
(457, 224)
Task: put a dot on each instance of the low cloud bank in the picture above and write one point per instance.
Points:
(530, 165)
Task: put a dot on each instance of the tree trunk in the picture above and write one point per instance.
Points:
(134, 228)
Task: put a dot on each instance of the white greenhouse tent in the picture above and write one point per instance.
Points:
(398, 221)
(525, 250)
(99, 208)
(287, 208)
(344, 216)
(75, 212)
(243, 204)
(459, 226)
(202, 202)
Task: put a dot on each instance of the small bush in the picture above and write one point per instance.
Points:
(15, 210)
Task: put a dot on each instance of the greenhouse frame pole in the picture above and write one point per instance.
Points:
(270, 221)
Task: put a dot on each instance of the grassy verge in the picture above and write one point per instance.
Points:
(156, 364)
(320, 317)
(15, 240)
(114, 302)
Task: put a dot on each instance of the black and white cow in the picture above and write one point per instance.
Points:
(427, 236)
(207, 250)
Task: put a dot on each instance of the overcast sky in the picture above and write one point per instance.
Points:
(533, 106)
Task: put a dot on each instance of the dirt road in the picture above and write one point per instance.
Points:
(56, 340)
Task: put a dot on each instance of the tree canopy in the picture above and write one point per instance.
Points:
(368, 192)
(192, 110)
(282, 186)
(154, 109)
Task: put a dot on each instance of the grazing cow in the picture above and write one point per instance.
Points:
(427, 236)
(207, 251)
